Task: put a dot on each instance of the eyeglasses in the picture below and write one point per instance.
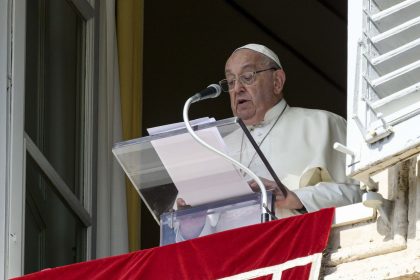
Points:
(247, 78)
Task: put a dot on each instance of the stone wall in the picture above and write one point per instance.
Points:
(387, 246)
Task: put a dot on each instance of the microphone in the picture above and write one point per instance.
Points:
(212, 91)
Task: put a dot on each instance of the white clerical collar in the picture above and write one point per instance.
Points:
(271, 114)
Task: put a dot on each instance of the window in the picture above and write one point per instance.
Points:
(47, 131)
(56, 133)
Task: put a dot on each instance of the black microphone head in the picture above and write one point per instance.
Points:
(212, 91)
(217, 88)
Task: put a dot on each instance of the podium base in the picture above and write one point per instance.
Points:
(211, 218)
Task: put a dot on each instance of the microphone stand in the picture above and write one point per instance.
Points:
(265, 215)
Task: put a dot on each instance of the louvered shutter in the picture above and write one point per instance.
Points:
(383, 84)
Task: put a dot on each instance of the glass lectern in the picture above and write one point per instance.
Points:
(171, 165)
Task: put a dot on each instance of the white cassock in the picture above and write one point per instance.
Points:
(298, 144)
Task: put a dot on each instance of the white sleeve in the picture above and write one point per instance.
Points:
(324, 195)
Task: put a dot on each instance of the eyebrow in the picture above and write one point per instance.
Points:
(245, 67)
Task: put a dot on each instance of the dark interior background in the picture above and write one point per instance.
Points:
(187, 42)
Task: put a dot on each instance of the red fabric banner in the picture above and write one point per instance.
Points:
(215, 256)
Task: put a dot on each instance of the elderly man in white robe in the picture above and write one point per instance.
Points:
(297, 142)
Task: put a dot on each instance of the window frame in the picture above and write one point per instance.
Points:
(13, 144)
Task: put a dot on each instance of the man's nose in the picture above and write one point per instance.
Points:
(238, 87)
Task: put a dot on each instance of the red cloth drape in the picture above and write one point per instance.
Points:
(214, 256)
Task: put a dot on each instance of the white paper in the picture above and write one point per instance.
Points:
(200, 175)
(179, 125)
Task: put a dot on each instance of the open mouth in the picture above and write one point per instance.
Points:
(242, 101)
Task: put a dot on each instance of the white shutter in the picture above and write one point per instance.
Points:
(383, 84)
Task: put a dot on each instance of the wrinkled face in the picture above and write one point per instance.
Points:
(251, 102)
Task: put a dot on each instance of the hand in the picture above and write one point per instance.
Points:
(181, 204)
(290, 202)
(191, 226)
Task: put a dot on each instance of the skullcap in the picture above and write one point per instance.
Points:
(263, 50)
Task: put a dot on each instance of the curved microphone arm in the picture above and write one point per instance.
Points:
(264, 208)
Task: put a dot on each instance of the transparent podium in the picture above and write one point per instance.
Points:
(171, 165)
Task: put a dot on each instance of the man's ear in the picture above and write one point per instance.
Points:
(279, 80)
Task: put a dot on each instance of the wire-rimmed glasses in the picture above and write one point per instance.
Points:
(247, 78)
